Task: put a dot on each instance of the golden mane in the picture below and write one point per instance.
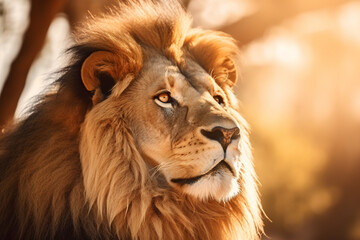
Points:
(44, 193)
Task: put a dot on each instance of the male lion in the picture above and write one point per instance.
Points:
(139, 139)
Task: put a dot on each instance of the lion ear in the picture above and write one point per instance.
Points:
(216, 52)
(224, 71)
(229, 69)
(99, 73)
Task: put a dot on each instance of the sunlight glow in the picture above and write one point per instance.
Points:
(349, 21)
(279, 48)
(216, 13)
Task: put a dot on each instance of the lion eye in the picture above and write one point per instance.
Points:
(219, 99)
(164, 97)
(164, 100)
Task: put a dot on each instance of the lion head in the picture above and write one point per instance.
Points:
(142, 139)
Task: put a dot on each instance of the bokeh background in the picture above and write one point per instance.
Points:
(299, 90)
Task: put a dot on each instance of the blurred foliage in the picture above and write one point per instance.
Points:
(301, 94)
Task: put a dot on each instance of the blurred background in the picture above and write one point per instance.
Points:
(300, 92)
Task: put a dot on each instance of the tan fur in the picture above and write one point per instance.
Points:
(96, 161)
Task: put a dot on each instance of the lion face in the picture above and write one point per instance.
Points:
(173, 91)
(183, 127)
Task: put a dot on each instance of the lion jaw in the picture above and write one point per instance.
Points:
(219, 184)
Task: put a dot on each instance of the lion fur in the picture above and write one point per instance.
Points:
(42, 185)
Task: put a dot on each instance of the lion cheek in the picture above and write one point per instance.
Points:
(154, 151)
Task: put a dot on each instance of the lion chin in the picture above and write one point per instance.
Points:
(140, 138)
(219, 185)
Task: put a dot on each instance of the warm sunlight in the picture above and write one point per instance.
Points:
(299, 90)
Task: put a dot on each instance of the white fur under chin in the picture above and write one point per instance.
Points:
(221, 186)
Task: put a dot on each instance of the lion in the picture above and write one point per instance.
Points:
(138, 138)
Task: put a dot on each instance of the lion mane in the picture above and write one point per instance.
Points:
(74, 167)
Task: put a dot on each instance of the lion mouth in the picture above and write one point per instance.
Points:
(221, 165)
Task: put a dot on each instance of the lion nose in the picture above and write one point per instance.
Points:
(222, 135)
